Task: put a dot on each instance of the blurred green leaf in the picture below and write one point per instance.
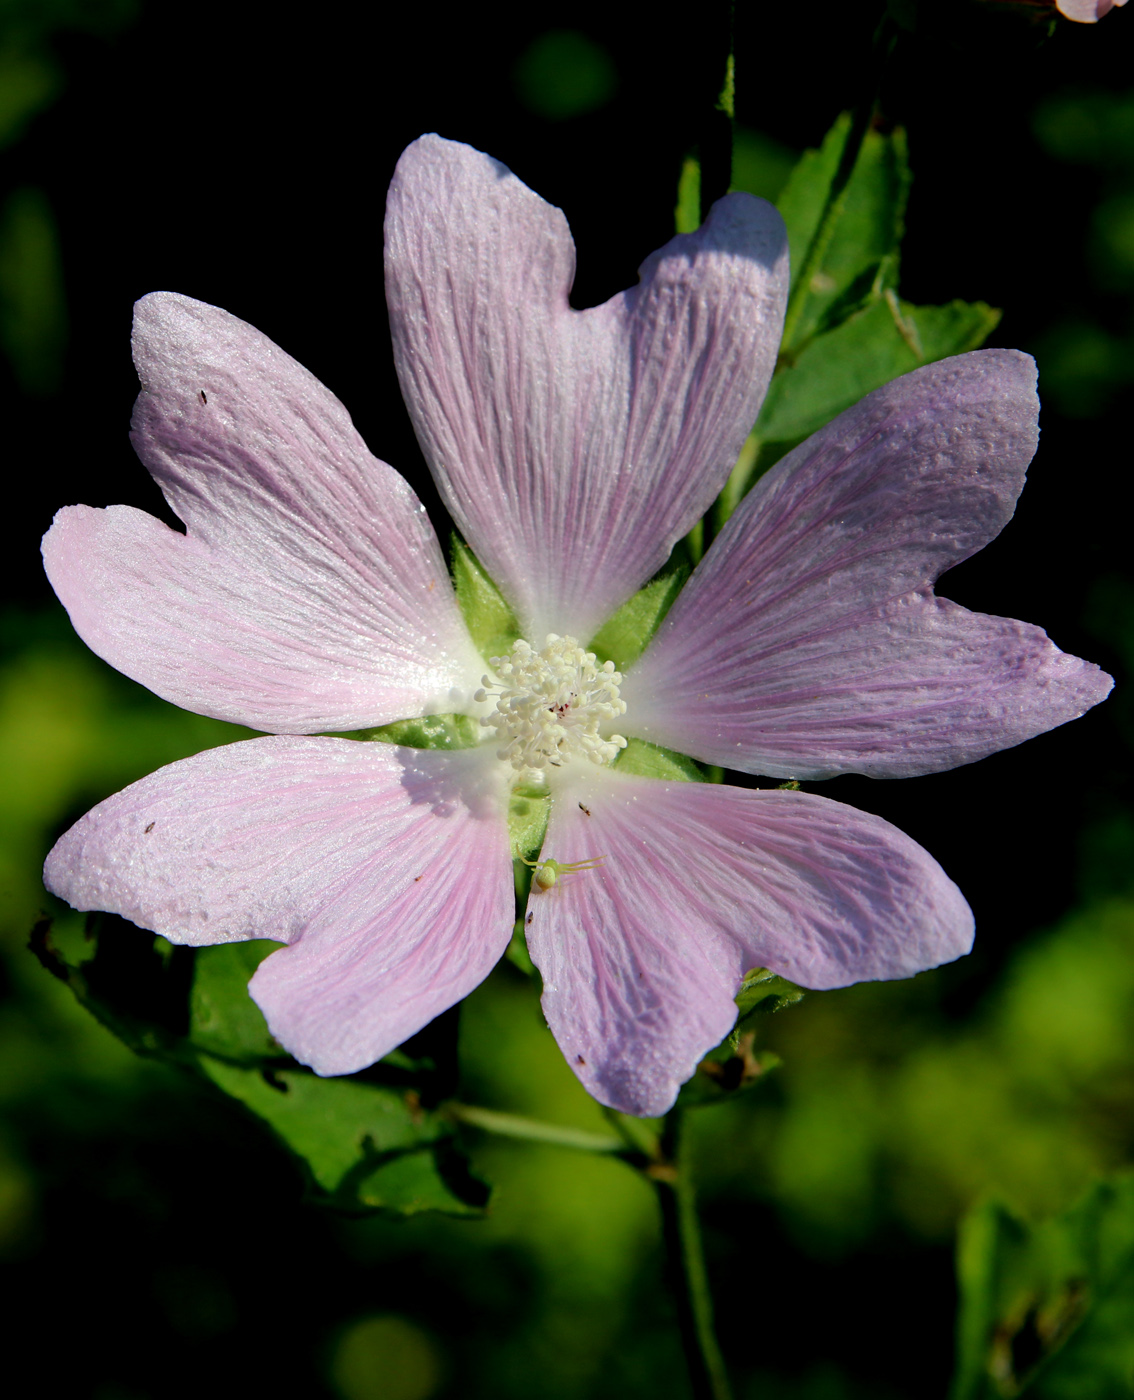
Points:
(760, 165)
(33, 310)
(1091, 128)
(488, 617)
(687, 213)
(1048, 1308)
(857, 255)
(28, 83)
(350, 1132)
(565, 74)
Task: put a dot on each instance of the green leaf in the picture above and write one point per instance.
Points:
(640, 759)
(853, 253)
(223, 1019)
(625, 636)
(847, 332)
(761, 993)
(1048, 1308)
(760, 165)
(488, 617)
(687, 214)
(883, 340)
(886, 339)
(350, 1133)
(353, 1136)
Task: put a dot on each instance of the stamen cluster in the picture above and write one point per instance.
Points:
(551, 704)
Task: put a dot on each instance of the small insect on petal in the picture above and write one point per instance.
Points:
(547, 872)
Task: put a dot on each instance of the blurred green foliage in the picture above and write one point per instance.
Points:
(1049, 1308)
(33, 313)
(565, 74)
(1087, 358)
(33, 310)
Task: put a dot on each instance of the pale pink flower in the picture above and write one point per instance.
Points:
(1086, 11)
(573, 449)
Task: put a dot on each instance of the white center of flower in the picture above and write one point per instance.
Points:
(550, 705)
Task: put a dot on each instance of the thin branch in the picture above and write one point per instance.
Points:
(514, 1125)
(689, 1278)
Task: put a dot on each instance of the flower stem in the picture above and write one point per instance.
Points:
(685, 1258)
(513, 1125)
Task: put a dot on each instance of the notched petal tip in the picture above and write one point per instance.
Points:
(741, 226)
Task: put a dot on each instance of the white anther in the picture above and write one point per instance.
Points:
(551, 704)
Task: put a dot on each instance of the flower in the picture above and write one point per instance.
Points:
(573, 449)
(1086, 11)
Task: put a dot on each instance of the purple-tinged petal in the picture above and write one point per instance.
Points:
(641, 956)
(1086, 11)
(309, 592)
(573, 448)
(808, 642)
(387, 870)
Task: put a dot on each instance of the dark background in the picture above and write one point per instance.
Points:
(240, 153)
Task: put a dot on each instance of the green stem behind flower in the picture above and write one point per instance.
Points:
(685, 1258)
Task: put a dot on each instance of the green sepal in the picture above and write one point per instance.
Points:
(528, 810)
(1048, 1308)
(377, 1140)
(517, 951)
(427, 732)
(640, 759)
(735, 1066)
(762, 992)
(488, 617)
(625, 636)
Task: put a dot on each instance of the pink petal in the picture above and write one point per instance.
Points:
(386, 869)
(809, 643)
(572, 448)
(642, 956)
(1086, 11)
(309, 593)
